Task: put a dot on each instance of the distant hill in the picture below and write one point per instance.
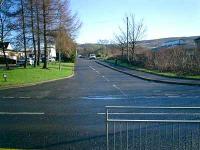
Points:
(148, 44)
(189, 41)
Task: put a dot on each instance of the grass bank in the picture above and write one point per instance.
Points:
(156, 72)
(20, 76)
(8, 149)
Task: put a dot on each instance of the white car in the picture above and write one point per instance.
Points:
(52, 59)
(30, 61)
(92, 56)
(21, 62)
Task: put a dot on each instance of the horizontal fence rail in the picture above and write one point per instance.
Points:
(152, 128)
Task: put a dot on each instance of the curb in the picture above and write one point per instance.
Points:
(37, 83)
(161, 75)
(147, 79)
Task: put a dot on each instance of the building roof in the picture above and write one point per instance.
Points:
(6, 44)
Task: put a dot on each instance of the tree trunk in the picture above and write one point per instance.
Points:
(45, 38)
(38, 34)
(5, 58)
(33, 35)
(3, 47)
(24, 32)
(122, 54)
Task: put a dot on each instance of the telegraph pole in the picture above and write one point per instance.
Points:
(127, 40)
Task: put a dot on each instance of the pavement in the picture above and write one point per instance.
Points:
(149, 76)
(65, 114)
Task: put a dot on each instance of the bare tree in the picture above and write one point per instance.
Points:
(47, 18)
(136, 33)
(38, 4)
(45, 5)
(66, 26)
(33, 31)
(24, 31)
(7, 24)
(121, 41)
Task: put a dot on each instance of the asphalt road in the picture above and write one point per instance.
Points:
(64, 114)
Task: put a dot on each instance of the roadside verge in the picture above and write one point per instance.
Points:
(149, 77)
(33, 84)
(20, 77)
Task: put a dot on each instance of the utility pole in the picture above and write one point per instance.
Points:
(127, 40)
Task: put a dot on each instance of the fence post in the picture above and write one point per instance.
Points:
(107, 130)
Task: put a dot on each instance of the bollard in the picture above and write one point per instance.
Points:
(5, 77)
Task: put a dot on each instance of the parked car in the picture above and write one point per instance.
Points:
(30, 61)
(52, 59)
(92, 56)
(80, 56)
(21, 62)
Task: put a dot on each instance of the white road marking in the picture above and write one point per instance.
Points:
(24, 97)
(101, 113)
(115, 86)
(102, 98)
(91, 68)
(9, 97)
(106, 79)
(22, 113)
(97, 72)
(121, 113)
(173, 96)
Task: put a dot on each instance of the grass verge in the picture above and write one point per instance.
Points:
(8, 149)
(156, 72)
(20, 76)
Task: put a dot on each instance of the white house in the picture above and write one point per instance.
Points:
(51, 51)
(7, 46)
(9, 52)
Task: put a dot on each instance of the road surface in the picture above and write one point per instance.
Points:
(64, 114)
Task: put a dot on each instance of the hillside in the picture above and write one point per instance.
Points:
(158, 42)
(148, 44)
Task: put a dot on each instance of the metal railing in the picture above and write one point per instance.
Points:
(152, 128)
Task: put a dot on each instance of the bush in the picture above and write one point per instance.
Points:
(179, 60)
(10, 61)
(67, 57)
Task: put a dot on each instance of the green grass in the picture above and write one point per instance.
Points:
(156, 72)
(8, 149)
(21, 76)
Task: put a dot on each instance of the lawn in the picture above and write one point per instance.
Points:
(8, 149)
(156, 72)
(20, 76)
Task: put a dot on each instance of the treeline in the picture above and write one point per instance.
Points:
(36, 24)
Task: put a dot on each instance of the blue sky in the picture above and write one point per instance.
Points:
(163, 18)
